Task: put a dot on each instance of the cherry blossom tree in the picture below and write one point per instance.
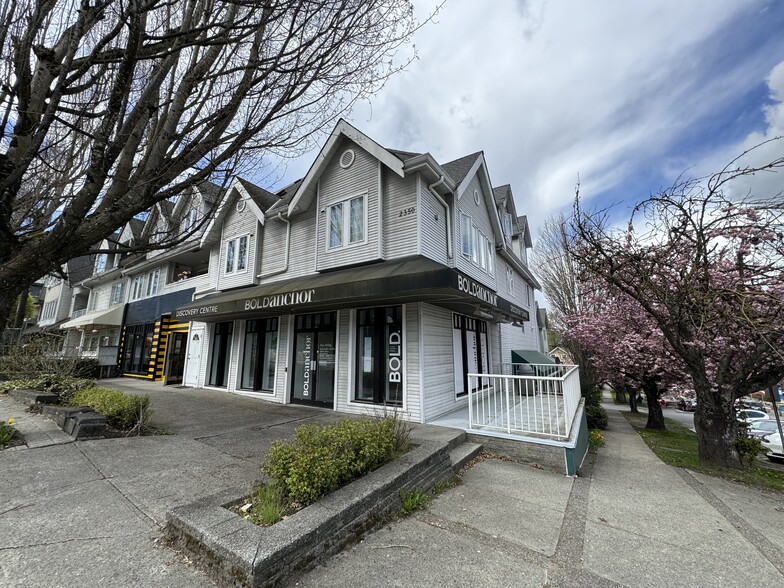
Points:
(627, 348)
(709, 271)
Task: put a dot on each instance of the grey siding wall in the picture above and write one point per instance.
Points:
(481, 219)
(438, 373)
(400, 228)
(337, 184)
(237, 224)
(432, 222)
(516, 338)
(413, 363)
(302, 248)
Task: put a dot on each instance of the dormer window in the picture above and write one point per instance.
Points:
(506, 220)
(237, 255)
(100, 263)
(346, 222)
(190, 220)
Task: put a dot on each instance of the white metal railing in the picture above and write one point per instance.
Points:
(78, 313)
(538, 399)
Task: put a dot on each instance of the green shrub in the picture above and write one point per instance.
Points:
(748, 448)
(122, 411)
(413, 500)
(596, 417)
(594, 397)
(320, 459)
(595, 439)
(8, 433)
(62, 385)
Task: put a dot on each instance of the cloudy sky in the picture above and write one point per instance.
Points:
(623, 95)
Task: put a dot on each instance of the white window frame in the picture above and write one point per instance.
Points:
(510, 281)
(137, 286)
(490, 252)
(345, 226)
(190, 220)
(506, 222)
(101, 261)
(152, 283)
(118, 293)
(466, 234)
(237, 261)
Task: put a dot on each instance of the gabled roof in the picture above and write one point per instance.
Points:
(285, 196)
(522, 222)
(136, 225)
(459, 168)
(306, 193)
(79, 268)
(403, 155)
(502, 193)
(263, 198)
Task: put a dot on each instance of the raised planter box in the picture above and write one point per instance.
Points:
(80, 422)
(27, 396)
(236, 552)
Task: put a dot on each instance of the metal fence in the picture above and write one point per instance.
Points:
(538, 399)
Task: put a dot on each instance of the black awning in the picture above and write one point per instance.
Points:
(391, 282)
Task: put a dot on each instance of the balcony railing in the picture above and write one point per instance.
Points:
(539, 400)
(78, 313)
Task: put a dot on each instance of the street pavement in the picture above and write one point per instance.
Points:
(90, 513)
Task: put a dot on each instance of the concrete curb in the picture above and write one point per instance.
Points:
(238, 553)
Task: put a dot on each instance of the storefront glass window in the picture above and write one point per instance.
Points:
(379, 359)
(471, 355)
(259, 354)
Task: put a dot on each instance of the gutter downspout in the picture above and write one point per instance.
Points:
(431, 189)
(285, 267)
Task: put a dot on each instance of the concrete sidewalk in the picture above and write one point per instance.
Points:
(629, 521)
(89, 513)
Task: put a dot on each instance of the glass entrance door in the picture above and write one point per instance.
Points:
(176, 358)
(314, 360)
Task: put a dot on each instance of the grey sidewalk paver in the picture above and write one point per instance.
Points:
(37, 430)
(89, 513)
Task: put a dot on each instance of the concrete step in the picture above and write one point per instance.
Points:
(464, 453)
(27, 396)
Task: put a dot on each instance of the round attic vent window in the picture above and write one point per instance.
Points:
(476, 196)
(240, 205)
(347, 158)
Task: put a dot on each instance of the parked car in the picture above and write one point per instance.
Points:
(751, 415)
(761, 428)
(772, 444)
(750, 404)
(687, 405)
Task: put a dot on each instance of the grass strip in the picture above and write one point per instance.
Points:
(677, 446)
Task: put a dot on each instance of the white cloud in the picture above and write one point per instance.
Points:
(550, 90)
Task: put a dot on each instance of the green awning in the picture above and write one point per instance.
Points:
(530, 356)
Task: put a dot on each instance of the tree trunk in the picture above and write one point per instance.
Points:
(655, 416)
(620, 396)
(717, 430)
(9, 293)
(21, 309)
(633, 401)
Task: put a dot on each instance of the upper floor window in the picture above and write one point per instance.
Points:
(118, 291)
(506, 221)
(92, 302)
(152, 282)
(347, 221)
(510, 281)
(237, 255)
(466, 235)
(475, 245)
(49, 310)
(100, 263)
(190, 220)
(137, 287)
